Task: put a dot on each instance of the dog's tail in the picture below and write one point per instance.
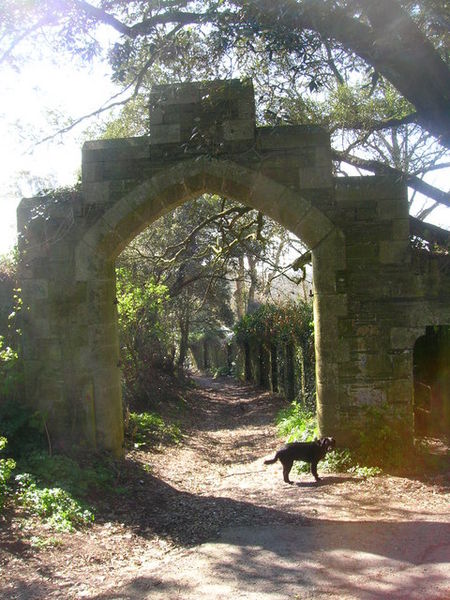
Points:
(271, 460)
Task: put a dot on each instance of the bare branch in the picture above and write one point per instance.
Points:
(104, 17)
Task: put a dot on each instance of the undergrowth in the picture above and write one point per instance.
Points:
(54, 488)
(149, 429)
(56, 506)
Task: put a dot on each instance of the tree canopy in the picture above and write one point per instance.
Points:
(375, 73)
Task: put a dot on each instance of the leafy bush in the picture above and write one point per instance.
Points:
(297, 423)
(56, 506)
(221, 372)
(143, 339)
(65, 472)
(287, 329)
(149, 429)
(343, 461)
(11, 377)
(7, 465)
(23, 430)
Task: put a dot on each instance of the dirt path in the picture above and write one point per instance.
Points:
(207, 520)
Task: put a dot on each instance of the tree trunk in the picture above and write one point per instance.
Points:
(184, 339)
(248, 362)
(239, 294)
(274, 365)
(289, 386)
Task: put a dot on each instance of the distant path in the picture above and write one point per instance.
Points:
(208, 520)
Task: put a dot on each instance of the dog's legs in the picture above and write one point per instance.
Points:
(287, 466)
(314, 471)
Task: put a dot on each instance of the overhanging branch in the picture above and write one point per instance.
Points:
(379, 168)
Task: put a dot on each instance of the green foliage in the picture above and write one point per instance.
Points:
(286, 330)
(139, 305)
(142, 334)
(7, 466)
(48, 486)
(149, 429)
(23, 429)
(277, 323)
(10, 371)
(54, 505)
(67, 473)
(343, 461)
(297, 423)
(221, 372)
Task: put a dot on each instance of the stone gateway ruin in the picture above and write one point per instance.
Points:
(374, 293)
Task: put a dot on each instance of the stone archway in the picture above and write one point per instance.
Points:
(371, 298)
(96, 251)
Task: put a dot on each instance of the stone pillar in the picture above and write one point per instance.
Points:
(377, 336)
(69, 341)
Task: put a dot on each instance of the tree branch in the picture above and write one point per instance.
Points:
(429, 232)
(402, 55)
(380, 168)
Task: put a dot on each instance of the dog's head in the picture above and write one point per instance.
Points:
(328, 443)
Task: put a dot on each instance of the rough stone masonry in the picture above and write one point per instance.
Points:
(372, 299)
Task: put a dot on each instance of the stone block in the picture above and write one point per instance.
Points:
(371, 188)
(92, 171)
(37, 289)
(116, 149)
(400, 229)
(297, 136)
(96, 192)
(392, 208)
(401, 361)
(165, 134)
(368, 395)
(363, 251)
(400, 391)
(239, 129)
(404, 338)
(41, 328)
(315, 177)
(313, 227)
(394, 252)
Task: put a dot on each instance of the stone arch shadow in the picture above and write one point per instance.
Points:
(101, 243)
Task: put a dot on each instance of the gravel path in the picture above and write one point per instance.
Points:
(208, 520)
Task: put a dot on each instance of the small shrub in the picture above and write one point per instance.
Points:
(223, 371)
(343, 461)
(7, 465)
(11, 376)
(297, 423)
(23, 430)
(149, 429)
(67, 473)
(56, 506)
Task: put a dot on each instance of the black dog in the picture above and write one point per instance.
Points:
(310, 452)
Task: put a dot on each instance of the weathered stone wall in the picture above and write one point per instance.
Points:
(370, 302)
